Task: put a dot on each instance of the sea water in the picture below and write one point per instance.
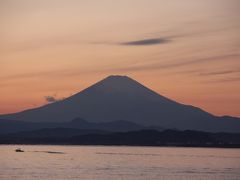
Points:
(117, 162)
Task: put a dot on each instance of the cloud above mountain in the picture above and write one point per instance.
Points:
(146, 42)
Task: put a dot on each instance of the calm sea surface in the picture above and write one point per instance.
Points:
(112, 162)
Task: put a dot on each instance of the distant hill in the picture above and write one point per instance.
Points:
(10, 126)
(120, 97)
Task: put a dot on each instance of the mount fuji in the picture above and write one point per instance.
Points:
(122, 98)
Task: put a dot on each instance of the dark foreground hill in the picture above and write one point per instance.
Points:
(133, 138)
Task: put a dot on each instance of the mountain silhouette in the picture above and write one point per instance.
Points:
(122, 98)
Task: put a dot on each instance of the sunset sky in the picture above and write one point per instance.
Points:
(186, 50)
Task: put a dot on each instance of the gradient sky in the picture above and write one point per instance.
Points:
(186, 50)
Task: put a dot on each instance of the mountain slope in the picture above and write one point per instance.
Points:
(122, 98)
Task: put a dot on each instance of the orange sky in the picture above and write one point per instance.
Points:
(186, 50)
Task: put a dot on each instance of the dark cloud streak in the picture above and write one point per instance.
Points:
(146, 42)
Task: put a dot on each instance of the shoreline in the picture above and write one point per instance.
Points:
(122, 145)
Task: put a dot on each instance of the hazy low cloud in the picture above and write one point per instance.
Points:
(146, 42)
(52, 99)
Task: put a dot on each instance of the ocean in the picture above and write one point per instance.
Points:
(117, 162)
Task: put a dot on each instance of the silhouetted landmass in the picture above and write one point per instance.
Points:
(10, 126)
(67, 136)
(55, 132)
(120, 97)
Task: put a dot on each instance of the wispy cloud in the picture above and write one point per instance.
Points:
(75, 40)
(225, 80)
(38, 43)
(46, 74)
(146, 42)
(224, 72)
(131, 67)
(174, 64)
